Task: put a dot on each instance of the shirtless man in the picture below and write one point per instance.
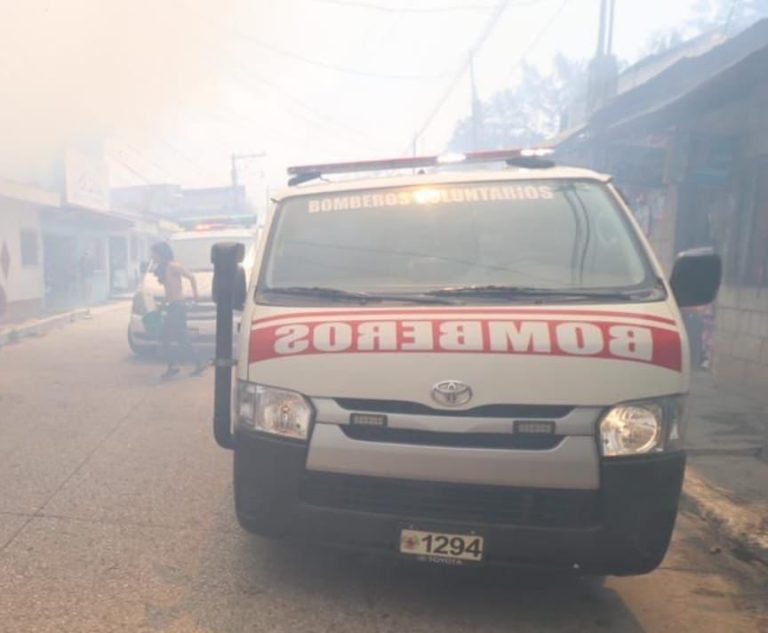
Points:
(171, 275)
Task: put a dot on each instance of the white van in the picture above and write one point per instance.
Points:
(193, 249)
(460, 367)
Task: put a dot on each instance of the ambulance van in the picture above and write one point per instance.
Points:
(459, 366)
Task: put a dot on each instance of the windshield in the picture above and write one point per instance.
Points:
(195, 252)
(549, 235)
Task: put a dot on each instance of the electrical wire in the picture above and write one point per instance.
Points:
(246, 77)
(420, 10)
(534, 43)
(125, 147)
(288, 54)
(332, 67)
(121, 161)
(735, 4)
(484, 34)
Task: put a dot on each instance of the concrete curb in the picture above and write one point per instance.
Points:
(744, 528)
(15, 333)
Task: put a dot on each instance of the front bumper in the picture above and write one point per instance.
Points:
(623, 528)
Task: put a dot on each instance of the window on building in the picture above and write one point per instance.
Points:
(29, 249)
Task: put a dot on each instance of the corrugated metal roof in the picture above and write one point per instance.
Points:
(682, 78)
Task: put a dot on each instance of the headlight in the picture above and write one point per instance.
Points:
(274, 411)
(642, 427)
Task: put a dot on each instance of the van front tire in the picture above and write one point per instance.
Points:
(142, 351)
(261, 526)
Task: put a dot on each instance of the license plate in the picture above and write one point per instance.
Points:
(440, 547)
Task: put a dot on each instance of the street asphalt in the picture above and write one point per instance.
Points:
(116, 515)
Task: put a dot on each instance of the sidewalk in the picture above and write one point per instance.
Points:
(727, 481)
(14, 332)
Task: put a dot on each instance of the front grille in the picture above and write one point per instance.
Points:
(451, 502)
(514, 441)
(531, 411)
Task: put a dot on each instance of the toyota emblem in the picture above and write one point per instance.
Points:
(451, 393)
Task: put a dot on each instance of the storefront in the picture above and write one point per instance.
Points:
(76, 244)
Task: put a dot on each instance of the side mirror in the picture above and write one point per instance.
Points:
(696, 277)
(226, 258)
(227, 291)
(240, 290)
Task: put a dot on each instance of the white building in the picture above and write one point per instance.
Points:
(22, 265)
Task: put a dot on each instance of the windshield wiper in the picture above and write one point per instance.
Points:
(511, 292)
(337, 294)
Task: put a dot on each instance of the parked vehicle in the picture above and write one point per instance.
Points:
(459, 367)
(193, 249)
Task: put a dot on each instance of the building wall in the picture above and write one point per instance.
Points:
(656, 211)
(740, 359)
(23, 283)
(741, 340)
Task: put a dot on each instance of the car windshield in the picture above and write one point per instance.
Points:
(195, 252)
(537, 235)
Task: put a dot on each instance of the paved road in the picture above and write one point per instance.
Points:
(116, 515)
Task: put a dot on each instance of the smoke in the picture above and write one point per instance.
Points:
(72, 69)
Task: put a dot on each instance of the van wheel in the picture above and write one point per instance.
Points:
(260, 525)
(142, 351)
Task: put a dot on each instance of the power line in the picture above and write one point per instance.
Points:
(339, 69)
(484, 34)
(420, 10)
(292, 99)
(735, 4)
(157, 168)
(540, 35)
(277, 50)
(121, 161)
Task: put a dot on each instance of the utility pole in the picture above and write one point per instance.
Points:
(603, 69)
(611, 20)
(605, 30)
(493, 20)
(601, 30)
(475, 103)
(235, 203)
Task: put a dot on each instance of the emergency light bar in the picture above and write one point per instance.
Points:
(217, 223)
(533, 158)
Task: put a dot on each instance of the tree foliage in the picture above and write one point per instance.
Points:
(526, 114)
(727, 16)
(732, 14)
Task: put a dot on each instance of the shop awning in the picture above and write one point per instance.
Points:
(107, 220)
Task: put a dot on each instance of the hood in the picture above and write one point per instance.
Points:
(564, 355)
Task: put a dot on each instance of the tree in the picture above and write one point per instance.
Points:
(662, 41)
(730, 14)
(525, 115)
(726, 16)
